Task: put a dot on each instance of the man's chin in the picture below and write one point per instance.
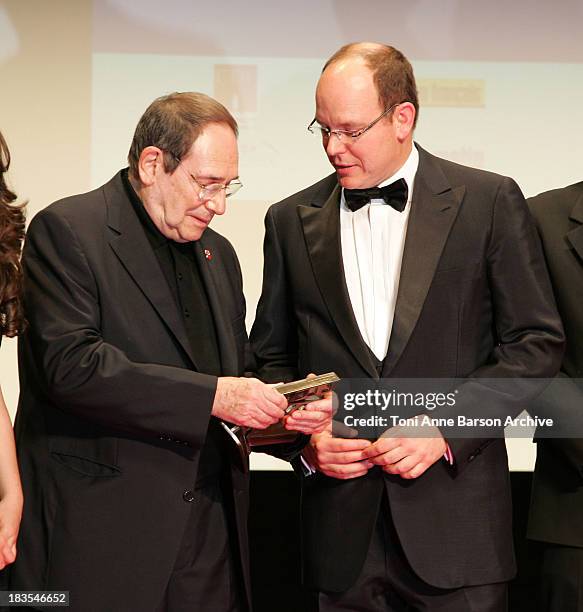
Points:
(192, 235)
(349, 181)
(356, 182)
(182, 234)
(191, 230)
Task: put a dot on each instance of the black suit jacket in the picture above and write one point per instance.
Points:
(557, 496)
(474, 300)
(113, 411)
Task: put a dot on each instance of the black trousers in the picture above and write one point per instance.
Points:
(205, 575)
(560, 578)
(387, 583)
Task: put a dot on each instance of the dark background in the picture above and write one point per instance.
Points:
(275, 545)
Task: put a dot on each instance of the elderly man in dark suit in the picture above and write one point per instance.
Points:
(556, 510)
(135, 351)
(403, 265)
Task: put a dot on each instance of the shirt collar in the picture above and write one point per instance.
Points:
(407, 171)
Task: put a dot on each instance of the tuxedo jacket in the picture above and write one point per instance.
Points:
(474, 300)
(557, 495)
(114, 411)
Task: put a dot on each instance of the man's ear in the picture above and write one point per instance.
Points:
(150, 164)
(404, 118)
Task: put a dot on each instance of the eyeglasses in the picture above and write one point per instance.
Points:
(208, 192)
(346, 135)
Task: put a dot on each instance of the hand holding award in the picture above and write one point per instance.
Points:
(299, 394)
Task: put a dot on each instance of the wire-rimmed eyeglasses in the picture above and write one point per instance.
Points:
(208, 192)
(347, 135)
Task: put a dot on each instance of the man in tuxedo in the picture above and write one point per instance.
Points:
(135, 352)
(446, 281)
(557, 494)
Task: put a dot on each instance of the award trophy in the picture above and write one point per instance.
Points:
(298, 393)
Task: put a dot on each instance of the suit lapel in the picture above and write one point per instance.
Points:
(211, 279)
(434, 207)
(575, 236)
(133, 249)
(321, 226)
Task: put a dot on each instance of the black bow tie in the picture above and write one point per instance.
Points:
(394, 195)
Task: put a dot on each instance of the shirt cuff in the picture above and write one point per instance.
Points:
(307, 468)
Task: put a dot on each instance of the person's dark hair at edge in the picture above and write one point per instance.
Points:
(11, 237)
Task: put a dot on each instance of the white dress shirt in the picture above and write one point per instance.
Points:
(372, 240)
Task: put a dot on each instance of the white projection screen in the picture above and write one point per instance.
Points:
(500, 83)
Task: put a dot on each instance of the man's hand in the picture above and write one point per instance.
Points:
(247, 402)
(314, 418)
(10, 514)
(398, 452)
(338, 457)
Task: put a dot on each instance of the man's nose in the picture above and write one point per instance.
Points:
(218, 203)
(334, 145)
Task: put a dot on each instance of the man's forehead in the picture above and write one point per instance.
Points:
(216, 144)
(214, 169)
(346, 81)
(352, 67)
(350, 95)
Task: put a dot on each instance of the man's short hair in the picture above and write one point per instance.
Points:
(392, 72)
(172, 123)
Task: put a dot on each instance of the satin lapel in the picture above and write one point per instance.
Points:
(575, 236)
(208, 271)
(321, 225)
(434, 207)
(133, 249)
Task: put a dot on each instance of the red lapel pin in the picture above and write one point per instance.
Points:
(208, 254)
